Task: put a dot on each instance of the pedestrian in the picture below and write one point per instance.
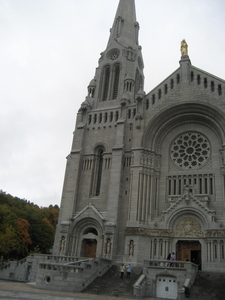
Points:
(168, 258)
(129, 269)
(173, 258)
(186, 291)
(122, 269)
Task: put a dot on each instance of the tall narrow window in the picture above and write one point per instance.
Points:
(99, 171)
(117, 115)
(212, 86)
(106, 117)
(222, 250)
(116, 81)
(159, 94)
(219, 90)
(165, 88)
(169, 186)
(153, 99)
(111, 116)
(106, 77)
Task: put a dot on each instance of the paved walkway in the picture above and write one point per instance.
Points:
(10, 290)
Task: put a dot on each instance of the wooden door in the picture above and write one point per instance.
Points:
(90, 248)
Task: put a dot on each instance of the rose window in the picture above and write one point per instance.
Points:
(190, 150)
(113, 54)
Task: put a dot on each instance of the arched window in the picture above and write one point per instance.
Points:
(116, 78)
(105, 82)
(97, 172)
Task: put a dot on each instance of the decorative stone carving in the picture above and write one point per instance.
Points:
(214, 233)
(113, 54)
(130, 54)
(86, 105)
(150, 159)
(148, 232)
(188, 227)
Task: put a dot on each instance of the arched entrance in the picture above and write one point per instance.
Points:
(89, 243)
(189, 250)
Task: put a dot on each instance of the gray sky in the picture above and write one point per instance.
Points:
(48, 55)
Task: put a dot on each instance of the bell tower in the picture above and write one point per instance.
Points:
(93, 208)
(119, 75)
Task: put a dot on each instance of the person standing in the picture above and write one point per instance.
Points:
(168, 258)
(186, 291)
(173, 258)
(129, 269)
(122, 269)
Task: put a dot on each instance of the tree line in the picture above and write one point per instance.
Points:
(25, 227)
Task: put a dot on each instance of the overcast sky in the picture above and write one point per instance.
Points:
(49, 50)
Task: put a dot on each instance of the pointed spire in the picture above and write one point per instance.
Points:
(125, 27)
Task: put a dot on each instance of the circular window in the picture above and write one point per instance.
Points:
(47, 279)
(113, 54)
(190, 150)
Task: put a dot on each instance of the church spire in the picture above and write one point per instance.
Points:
(119, 75)
(125, 27)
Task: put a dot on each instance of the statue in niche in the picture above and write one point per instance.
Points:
(184, 48)
(62, 244)
(131, 248)
(108, 246)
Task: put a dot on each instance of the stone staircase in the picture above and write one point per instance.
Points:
(208, 286)
(111, 284)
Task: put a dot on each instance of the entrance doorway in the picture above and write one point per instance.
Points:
(189, 251)
(89, 247)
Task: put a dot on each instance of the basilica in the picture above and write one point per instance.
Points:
(146, 172)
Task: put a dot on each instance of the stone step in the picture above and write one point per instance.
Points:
(111, 283)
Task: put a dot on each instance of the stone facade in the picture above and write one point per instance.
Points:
(146, 172)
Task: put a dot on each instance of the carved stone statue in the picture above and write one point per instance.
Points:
(184, 48)
(108, 246)
(62, 246)
(131, 248)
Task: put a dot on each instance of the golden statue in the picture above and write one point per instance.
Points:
(184, 48)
